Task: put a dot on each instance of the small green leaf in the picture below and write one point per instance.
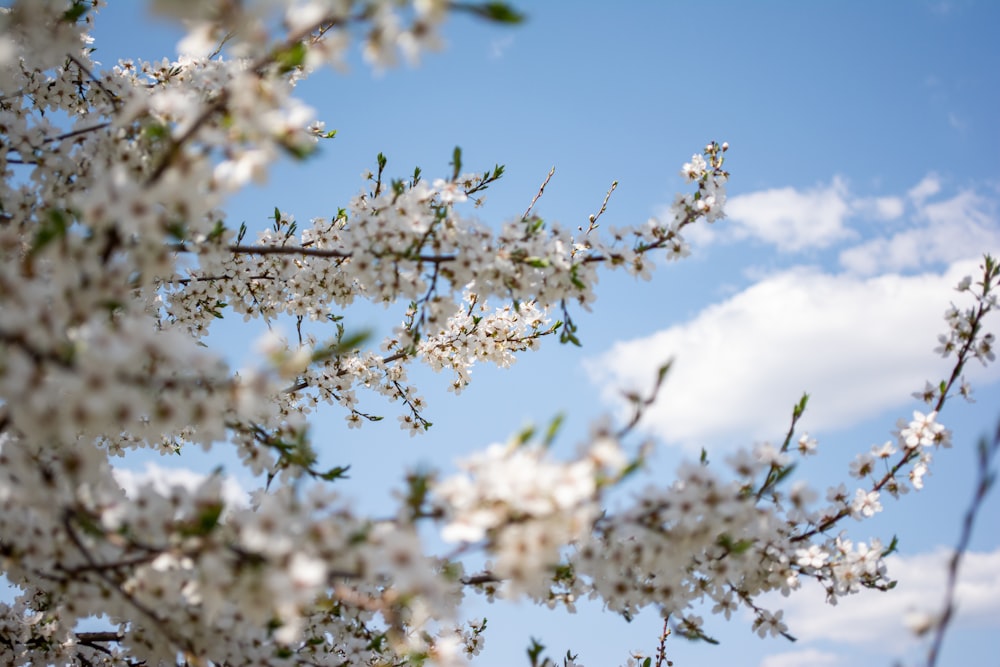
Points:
(801, 406)
(553, 430)
(525, 435)
(782, 474)
(344, 345)
(377, 642)
(534, 651)
(335, 473)
(298, 151)
(734, 546)
(217, 231)
(499, 12)
(53, 227)
(456, 163)
(155, 131)
(893, 546)
(205, 522)
(177, 230)
(291, 57)
(76, 12)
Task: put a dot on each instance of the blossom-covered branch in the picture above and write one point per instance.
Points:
(116, 259)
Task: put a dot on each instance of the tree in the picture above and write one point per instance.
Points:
(118, 258)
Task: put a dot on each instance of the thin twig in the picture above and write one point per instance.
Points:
(661, 650)
(538, 195)
(222, 100)
(115, 101)
(987, 451)
(962, 356)
(115, 585)
(604, 206)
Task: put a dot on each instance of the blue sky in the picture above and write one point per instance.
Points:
(864, 185)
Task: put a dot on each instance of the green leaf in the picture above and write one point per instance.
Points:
(553, 430)
(534, 651)
(661, 372)
(456, 163)
(801, 406)
(335, 473)
(893, 546)
(499, 12)
(205, 522)
(525, 435)
(217, 231)
(291, 57)
(53, 227)
(420, 488)
(782, 474)
(177, 230)
(343, 345)
(154, 131)
(298, 151)
(377, 642)
(76, 12)
(567, 337)
(734, 546)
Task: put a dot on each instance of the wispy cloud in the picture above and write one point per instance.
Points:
(928, 186)
(943, 231)
(791, 219)
(910, 231)
(956, 121)
(804, 658)
(499, 46)
(857, 345)
(879, 208)
(877, 622)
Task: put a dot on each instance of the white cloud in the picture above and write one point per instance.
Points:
(805, 658)
(162, 480)
(499, 47)
(857, 345)
(875, 620)
(792, 219)
(956, 121)
(929, 186)
(963, 226)
(880, 208)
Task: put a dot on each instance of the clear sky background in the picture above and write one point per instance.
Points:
(865, 184)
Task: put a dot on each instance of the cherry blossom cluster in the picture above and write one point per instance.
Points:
(723, 539)
(116, 259)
